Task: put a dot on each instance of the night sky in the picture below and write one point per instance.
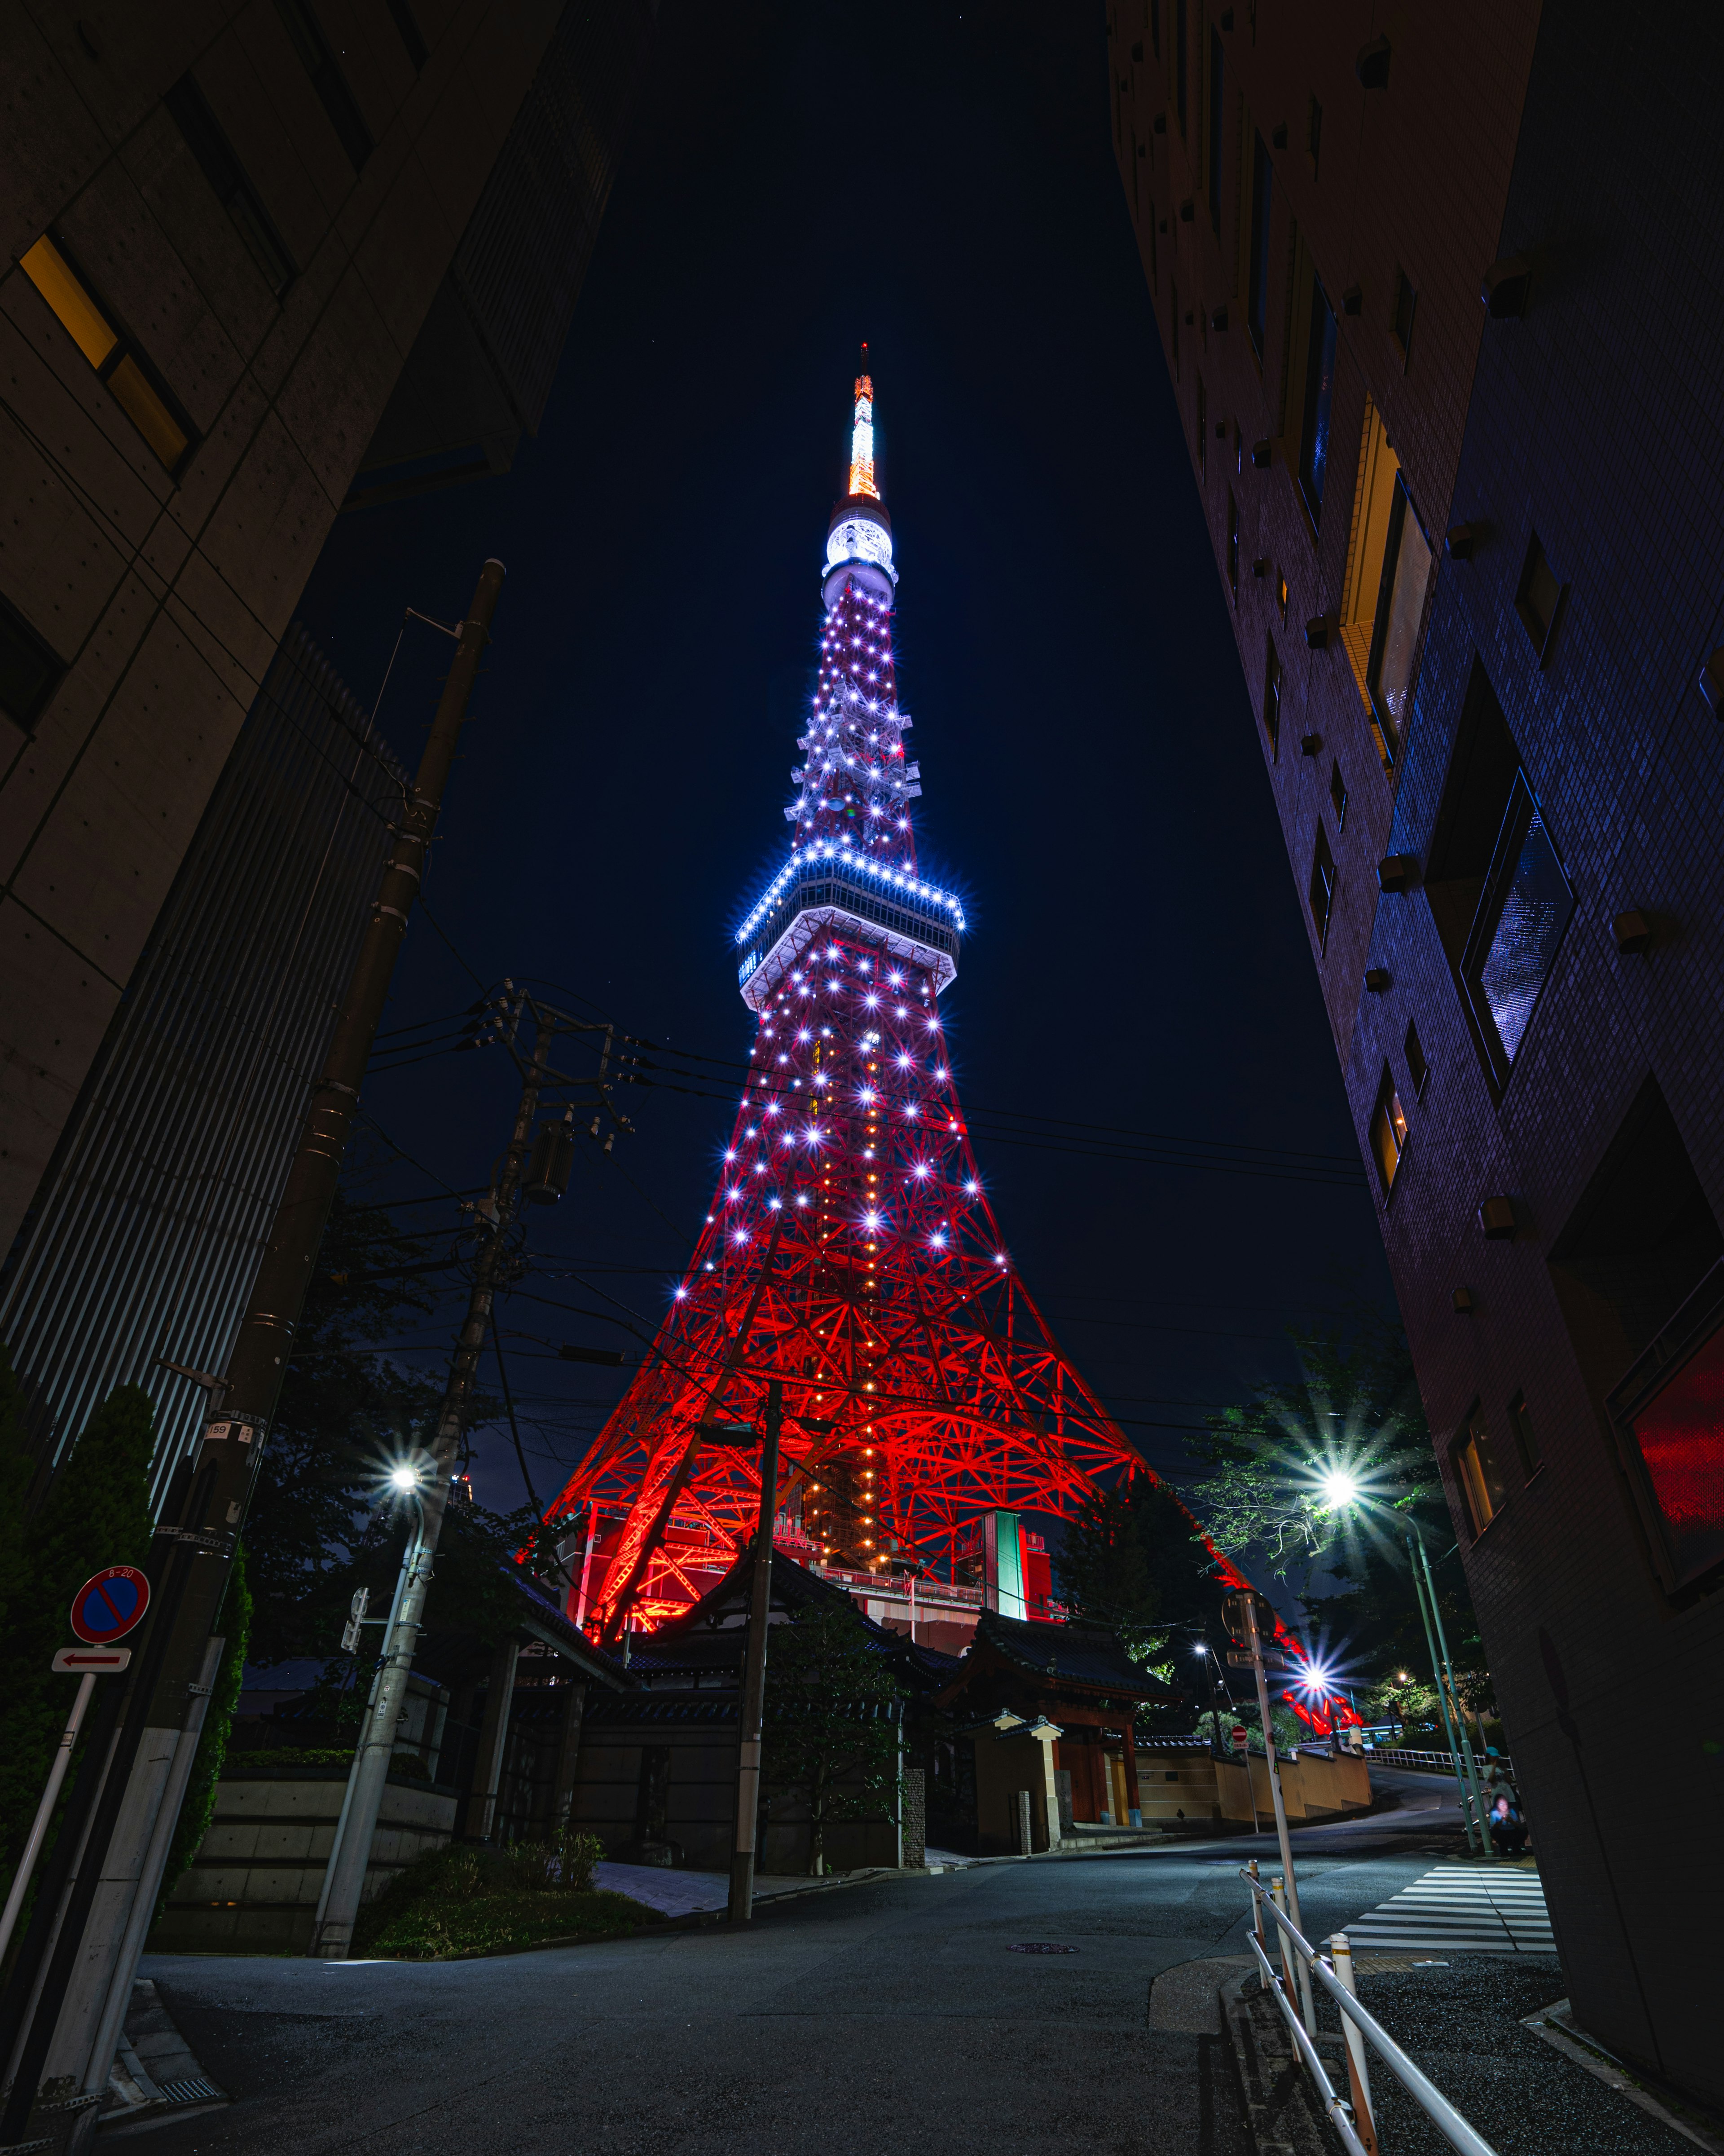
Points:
(939, 182)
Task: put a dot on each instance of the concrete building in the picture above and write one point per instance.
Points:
(140, 1244)
(1450, 392)
(226, 231)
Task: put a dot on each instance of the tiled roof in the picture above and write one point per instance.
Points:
(1089, 1655)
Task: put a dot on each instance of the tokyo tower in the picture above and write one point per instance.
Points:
(850, 1251)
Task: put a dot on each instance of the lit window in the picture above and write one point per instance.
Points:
(126, 373)
(1476, 1472)
(1388, 573)
(1388, 1132)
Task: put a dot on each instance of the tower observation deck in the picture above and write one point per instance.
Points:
(850, 1250)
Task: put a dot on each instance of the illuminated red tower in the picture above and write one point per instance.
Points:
(850, 1249)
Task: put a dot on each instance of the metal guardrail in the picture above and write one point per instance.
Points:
(1445, 1763)
(1334, 1977)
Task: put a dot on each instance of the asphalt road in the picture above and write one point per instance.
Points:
(892, 2016)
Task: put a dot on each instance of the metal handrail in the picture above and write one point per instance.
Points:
(1339, 2113)
(1449, 1762)
(1449, 2122)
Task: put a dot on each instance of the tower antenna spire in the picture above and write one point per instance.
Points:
(862, 435)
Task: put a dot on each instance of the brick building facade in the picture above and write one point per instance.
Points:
(224, 229)
(1433, 290)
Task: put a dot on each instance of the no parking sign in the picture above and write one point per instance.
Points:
(108, 1605)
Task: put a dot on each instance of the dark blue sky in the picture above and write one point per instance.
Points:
(939, 181)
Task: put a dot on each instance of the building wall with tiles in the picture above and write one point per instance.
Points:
(1591, 421)
(163, 594)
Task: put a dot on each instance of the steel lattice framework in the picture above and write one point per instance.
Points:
(851, 1251)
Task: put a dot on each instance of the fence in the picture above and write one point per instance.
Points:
(1334, 1977)
(1443, 1763)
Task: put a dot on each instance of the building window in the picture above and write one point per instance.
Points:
(1388, 1131)
(1322, 885)
(1216, 119)
(412, 38)
(1496, 890)
(1666, 1411)
(1476, 1472)
(1406, 303)
(1525, 906)
(1257, 260)
(132, 380)
(1155, 28)
(1525, 1436)
(214, 153)
(1539, 598)
(1272, 701)
(1388, 573)
(1203, 428)
(1233, 545)
(1417, 1067)
(1281, 591)
(327, 79)
(1313, 134)
(1182, 57)
(30, 671)
(1401, 590)
(1319, 395)
(1337, 794)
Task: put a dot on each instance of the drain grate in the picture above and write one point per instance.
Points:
(1039, 1946)
(193, 2089)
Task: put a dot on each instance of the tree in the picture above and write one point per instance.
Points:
(829, 1736)
(96, 1513)
(1104, 1571)
(1281, 1467)
(346, 1408)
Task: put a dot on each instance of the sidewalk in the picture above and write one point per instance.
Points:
(1465, 2020)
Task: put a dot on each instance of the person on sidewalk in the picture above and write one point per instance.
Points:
(1508, 1829)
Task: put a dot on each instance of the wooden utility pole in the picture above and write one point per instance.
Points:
(81, 1986)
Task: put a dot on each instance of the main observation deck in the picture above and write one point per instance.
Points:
(819, 890)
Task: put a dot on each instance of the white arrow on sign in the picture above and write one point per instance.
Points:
(92, 1661)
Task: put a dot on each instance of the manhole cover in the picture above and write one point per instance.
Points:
(1039, 1946)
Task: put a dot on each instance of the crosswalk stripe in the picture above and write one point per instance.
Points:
(1463, 1910)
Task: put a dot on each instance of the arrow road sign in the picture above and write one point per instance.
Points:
(92, 1661)
(107, 1606)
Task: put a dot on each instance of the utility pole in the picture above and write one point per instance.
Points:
(73, 1974)
(1242, 1610)
(1460, 1750)
(754, 1681)
(344, 1883)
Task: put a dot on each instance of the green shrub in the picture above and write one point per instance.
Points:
(462, 1900)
